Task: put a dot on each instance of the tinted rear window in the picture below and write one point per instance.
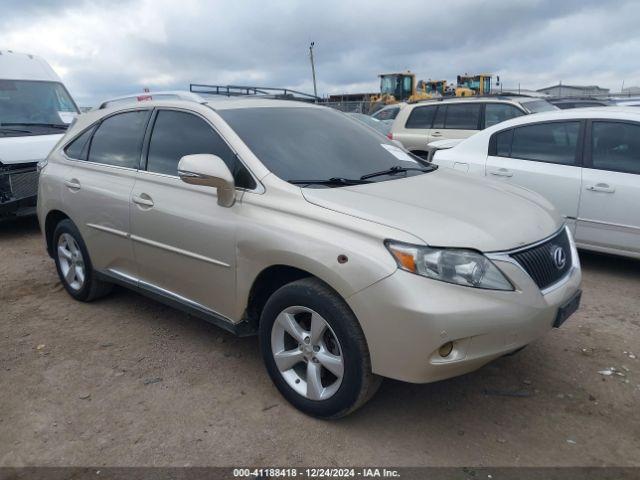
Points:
(80, 146)
(616, 146)
(503, 143)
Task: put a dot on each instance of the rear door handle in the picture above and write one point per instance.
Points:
(502, 172)
(72, 184)
(143, 199)
(601, 187)
(436, 134)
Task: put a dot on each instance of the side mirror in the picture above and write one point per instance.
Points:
(209, 171)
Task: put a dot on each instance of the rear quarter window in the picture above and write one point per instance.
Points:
(79, 147)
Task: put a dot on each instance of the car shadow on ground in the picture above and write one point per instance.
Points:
(16, 227)
(594, 262)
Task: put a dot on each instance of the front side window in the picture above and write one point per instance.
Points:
(312, 143)
(176, 134)
(547, 142)
(464, 116)
(118, 139)
(421, 117)
(495, 113)
(615, 146)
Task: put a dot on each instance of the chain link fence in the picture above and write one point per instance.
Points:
(364, 106)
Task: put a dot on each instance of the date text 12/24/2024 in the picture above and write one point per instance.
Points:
(316, 472)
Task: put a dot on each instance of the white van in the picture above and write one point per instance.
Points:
(35, 111)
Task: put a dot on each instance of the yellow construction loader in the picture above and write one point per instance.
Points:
(470, 85)
(400, 87)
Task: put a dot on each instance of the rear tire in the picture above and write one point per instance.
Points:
(74, 264)
(315, 351)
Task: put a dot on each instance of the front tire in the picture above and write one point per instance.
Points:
(315, 351)
(74, 265)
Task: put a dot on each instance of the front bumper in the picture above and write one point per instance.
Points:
(406, 318)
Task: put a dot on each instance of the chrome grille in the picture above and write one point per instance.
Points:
(544, 262)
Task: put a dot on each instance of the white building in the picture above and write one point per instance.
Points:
(562, 90)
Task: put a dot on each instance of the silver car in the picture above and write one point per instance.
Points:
(350, 258)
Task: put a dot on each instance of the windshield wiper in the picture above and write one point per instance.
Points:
(398, 169)
(331, 181)
(63, 126)
(13, 130)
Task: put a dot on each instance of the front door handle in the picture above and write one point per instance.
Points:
(143, 200)
(436, 134)
(502, 172)
(601, 187)
(72, 184)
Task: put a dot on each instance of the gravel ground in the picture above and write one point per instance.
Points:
(126, 381)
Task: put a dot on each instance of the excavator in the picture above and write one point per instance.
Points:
(470, 85)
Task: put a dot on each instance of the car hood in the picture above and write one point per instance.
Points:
(28, 148)
(448, 209)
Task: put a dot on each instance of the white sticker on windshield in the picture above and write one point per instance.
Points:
(397, 152)
(67, 117)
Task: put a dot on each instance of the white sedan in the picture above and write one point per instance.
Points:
(585, 161)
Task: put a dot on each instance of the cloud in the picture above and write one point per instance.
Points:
(105, 49)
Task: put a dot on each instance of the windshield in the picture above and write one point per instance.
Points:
(27, 102)
(538, 106)
(313, 143)
(372, 122)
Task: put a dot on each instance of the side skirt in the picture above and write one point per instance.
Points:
(241, 329)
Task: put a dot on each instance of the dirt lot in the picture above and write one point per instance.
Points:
(126, 381)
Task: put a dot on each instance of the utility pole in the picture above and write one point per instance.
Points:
(313, 69)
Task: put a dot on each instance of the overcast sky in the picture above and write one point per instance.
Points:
(108, 48)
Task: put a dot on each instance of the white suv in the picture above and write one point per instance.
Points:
(350, 258)
(419, 124)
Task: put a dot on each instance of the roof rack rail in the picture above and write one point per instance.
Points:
(141, 97)
(244, 90)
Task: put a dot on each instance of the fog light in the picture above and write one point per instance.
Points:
(445, 349)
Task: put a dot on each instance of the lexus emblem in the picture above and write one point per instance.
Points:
(559, 257)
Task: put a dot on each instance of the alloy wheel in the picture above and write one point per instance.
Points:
(71, 262)
(307, 353)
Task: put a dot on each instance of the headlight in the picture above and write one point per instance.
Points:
(452, 265)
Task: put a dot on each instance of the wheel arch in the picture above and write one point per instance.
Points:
(53, 218)
(266, 283)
